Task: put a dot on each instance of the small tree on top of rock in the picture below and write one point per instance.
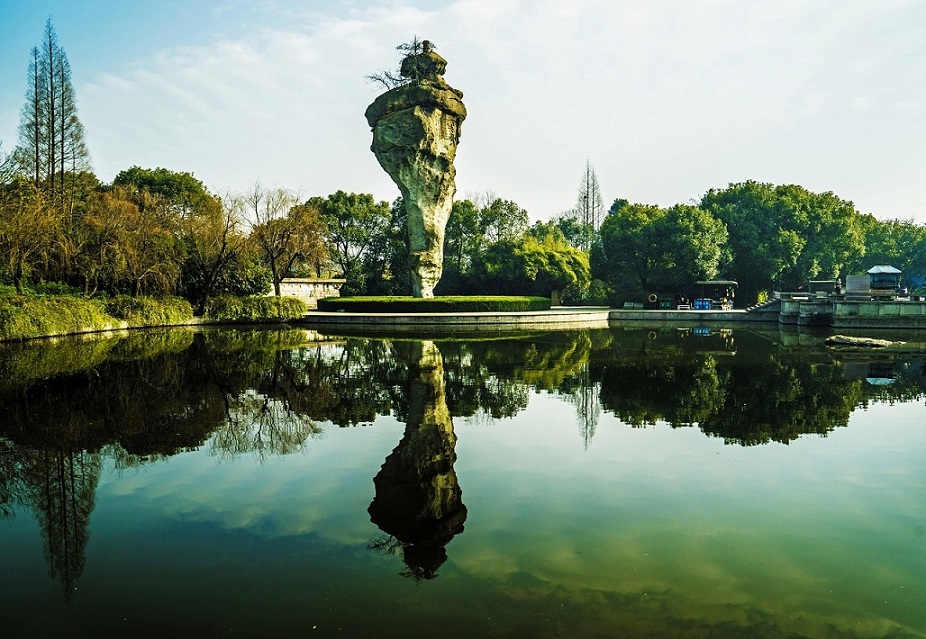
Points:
(410, 69)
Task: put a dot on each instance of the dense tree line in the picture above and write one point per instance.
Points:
(765, 236)
(159, 231)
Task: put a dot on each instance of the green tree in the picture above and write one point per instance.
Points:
(781, 236)
(216, 247)
(763, 247)
(153, 245)
(462, 239)
(385, 265)
(632, 245)
(477, 236)
(832, 230)
(151, 250)
(209, 231)
(537, 263)
(102, 236)
(694, 245)
(65, 256)
(581, 236)
(182, 193)
(462, 243)
(502, 220)
(352, 223)
(900, 243)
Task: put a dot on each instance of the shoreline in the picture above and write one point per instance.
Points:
(557, 318)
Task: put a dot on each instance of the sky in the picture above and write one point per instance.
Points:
(666, 99)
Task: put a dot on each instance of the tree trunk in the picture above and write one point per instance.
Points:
(18, 278)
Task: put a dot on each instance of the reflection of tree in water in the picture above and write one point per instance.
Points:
(57, 483)
(360, 379)
(11, 488)
(886, 377)
(588, 409)
(781, 401)
(757, 394)
(495, 377)
(263, 425)
(142, 397)
(142, 400)
(61, 493)
(418, 503)
(473, 387)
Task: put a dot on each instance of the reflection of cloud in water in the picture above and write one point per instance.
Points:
(687, 533)
(279, 497)
(656, 582)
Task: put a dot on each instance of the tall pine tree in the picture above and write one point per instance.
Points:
(51, 149)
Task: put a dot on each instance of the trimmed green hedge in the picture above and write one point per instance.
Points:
(445, 304)
(255, 309)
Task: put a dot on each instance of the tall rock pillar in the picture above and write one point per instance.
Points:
(416, 128)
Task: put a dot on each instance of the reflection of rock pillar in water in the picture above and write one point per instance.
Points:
(416, 128)
(417, 497)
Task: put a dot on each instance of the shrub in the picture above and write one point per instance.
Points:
(149, 311)
(24, 317)
(255, 309)
(444, 304)
(42, 288)
(56, 288)
(599, 293)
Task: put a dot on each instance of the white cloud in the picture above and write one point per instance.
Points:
(666, 99)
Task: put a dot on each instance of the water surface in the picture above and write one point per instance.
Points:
(645, 482)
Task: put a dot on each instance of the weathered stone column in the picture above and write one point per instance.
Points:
(416, 128)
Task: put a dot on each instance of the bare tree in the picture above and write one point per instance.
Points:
(590, 201)
(285, 232)
(588, 212)
(406, 73)
(7, 168)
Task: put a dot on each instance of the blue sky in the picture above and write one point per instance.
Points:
(665, 98)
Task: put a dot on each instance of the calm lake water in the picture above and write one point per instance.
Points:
(652, 482)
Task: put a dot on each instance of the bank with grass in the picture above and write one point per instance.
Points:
(32, 316)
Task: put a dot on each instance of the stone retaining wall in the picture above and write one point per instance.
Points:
(557, 318)
(692, 317)
(310, 289)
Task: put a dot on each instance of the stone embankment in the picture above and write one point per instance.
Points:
(555, 318)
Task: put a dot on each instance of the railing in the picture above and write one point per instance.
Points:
(804, 296)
